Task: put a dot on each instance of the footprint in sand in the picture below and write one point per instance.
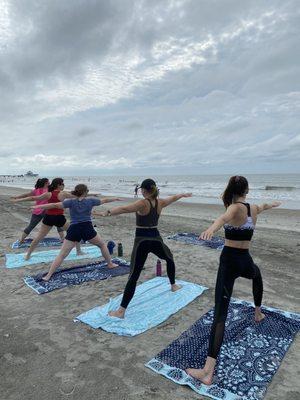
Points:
(14, 359)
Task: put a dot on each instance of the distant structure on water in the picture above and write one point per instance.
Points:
(30, 173)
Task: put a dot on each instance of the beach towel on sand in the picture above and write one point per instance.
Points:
(250, 355)
(216, 242)
(152, 304)
(76, 275)
(16, 260)
(46, 242)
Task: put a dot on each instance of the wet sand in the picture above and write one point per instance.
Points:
(45, 355)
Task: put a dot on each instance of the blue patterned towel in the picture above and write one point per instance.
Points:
(192, 238)
(152, 304)
(16, 260)
(46, 242)
(250, 355)
(75, 276)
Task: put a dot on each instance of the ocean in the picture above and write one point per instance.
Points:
(205, 188)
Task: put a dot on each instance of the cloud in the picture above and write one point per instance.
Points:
(160, 84)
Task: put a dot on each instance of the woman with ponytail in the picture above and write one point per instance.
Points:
(235, 261)
(147, 238)
(41, 187)
(52, 217)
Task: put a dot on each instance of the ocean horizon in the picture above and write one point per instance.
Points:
(205, 188)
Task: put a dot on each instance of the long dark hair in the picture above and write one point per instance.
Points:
(40, 183)
(55, 183)
(237, 186)
(80, 189)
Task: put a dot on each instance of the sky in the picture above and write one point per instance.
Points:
(92, 87)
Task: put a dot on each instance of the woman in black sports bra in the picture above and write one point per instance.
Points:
(147, 238)
(235, 261)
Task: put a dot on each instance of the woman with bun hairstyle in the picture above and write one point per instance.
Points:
(52, 217)
(81, 227)
(147, 238)
(235, 261)
(40, 187)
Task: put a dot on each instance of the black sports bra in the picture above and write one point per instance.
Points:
(149, 220)
(242, 232)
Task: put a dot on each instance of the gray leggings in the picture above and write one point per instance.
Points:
(34, 220)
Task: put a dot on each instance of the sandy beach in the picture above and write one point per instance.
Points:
(45, 355)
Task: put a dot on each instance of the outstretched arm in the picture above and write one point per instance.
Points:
(130, 208)
(43, 196)
(65, 195)
(22, 196)
(267, 206)
(219, 222)
(48, 206)
(169, 200)
(110, 200)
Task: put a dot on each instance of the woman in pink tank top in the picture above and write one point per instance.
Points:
(55, 192)
(41, 187)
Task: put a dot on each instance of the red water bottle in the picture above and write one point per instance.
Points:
(158, 268)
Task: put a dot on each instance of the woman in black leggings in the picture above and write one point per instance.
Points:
(147, 238)
(235, 261)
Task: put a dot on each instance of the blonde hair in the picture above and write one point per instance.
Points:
(154, 192)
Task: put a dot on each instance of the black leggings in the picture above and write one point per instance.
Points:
(140, 253)
(233, 264)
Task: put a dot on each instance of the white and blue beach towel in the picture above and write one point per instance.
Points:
(250, 354)
(17, 260)
(152, 304)
(215, 242)
(63, 277)
(46, 242)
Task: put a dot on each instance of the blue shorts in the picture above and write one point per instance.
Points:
(81, 231)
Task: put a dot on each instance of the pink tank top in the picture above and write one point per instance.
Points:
(38, 192)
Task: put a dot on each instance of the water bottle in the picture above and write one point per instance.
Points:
(111, 245)
(120, 250)
(158, 268)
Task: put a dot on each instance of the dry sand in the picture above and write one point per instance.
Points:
(45, 355)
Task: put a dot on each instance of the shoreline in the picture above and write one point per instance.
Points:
(278, 219)
(293, 205)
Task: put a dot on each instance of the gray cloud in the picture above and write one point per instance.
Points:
(127, 85)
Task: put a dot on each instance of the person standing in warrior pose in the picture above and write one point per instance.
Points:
(81, 227)
(235, 261)
(53, 217)
(147, 238)
(40, 187)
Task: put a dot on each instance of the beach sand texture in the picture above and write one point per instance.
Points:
(45, 355)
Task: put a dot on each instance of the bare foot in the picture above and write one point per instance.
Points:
(111, 265)
(201, 375)
(175, 287)
(80, 253)
(46, 278)
(27, 257)
(117, 313)
(259, 317)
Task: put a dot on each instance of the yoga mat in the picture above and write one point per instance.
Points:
(250, 355)
(75, 276)
(152, 304)
(216, 242)
(17, 260)
(46, 242)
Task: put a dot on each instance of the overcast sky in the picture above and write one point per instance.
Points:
(124, 86)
